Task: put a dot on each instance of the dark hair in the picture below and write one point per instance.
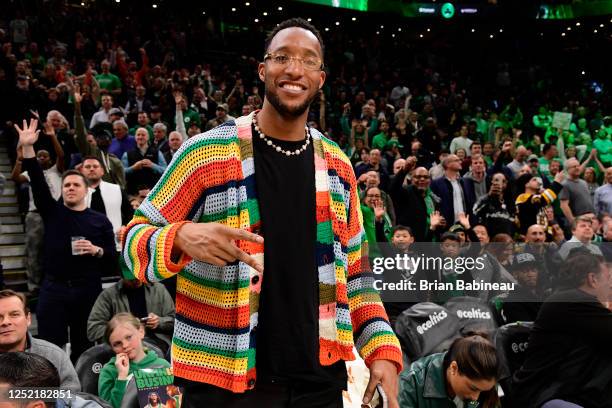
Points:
(93, 158)
(21, 369)
(8, 293)
(73, 172)
(151, 394)
(547, 147)
(578, 265)
(476, 359)
(365, 192)
(402, 228)
(449, 236)
(295, 22)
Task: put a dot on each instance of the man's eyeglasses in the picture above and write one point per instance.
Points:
(310, 63)
(424, 177)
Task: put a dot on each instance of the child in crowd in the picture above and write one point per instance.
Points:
(124, 334)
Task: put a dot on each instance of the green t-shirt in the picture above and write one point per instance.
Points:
(604, 150)
(544, 167)
(542, 121)
(379, 142)
(109, 81)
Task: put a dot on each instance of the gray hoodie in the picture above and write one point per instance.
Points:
(480, 187)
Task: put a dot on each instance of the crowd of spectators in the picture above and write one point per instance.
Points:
(437, 158)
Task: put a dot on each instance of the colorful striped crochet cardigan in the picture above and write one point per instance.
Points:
(211, 179)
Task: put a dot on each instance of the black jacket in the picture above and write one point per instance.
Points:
(569, 354)
(443, 188)
(410, 208)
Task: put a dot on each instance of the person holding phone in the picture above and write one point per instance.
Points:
(496, 209)
(465, 375)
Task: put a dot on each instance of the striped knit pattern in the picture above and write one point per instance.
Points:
(211, 179)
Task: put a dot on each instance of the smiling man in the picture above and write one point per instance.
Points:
(15, 319)
(78, 243)
(247, 336)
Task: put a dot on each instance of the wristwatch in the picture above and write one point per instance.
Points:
(99, 253)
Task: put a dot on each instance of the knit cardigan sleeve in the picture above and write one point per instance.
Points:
(373, 336)
(174, 201)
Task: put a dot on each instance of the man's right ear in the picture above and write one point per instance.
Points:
(261, 71)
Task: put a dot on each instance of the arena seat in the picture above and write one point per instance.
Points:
(511, 341)
(496, 304)
(473, 313)
(89, 365)
(154, 347)
(426, 328)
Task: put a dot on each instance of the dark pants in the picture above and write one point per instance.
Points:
(64, 305)
(265, 395)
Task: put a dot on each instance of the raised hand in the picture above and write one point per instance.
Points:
(49, 130)
(76, 94)
(28, 135)
(379, 209)
(178, 97)
(507, 146)
(464, 220)
(435, 219)
(410, 164)
(495, 190)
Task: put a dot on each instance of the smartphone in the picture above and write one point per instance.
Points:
(144, 319)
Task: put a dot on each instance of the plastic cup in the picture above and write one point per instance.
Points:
(76, 251)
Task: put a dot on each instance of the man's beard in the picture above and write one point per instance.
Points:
(287, 111)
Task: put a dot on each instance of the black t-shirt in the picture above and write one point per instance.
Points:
(288, 328)
(137, 301)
